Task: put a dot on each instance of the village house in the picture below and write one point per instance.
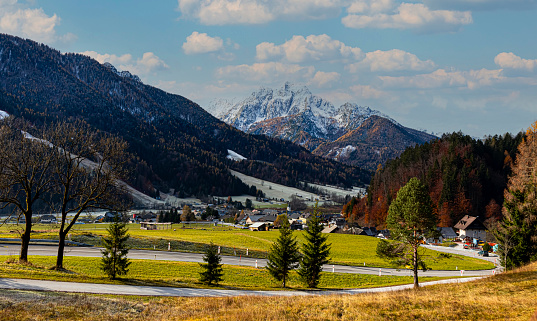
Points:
(48, 219)
(471, 227)
(253, 219)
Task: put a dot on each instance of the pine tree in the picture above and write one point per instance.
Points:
(517, 233)
(410, 218)
(212, 268)
(284, 255)
(114, 261)
(315, 251)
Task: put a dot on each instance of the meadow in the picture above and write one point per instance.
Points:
(506, 296)
(183, 274)
(346, 249)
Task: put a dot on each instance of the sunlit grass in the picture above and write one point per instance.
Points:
(346, 249)
(183, 274)
(509, 296)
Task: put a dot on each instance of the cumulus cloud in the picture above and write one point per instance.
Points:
(270, 71)
(322, 79)
(198, 43)
(509, 60)
(30, 23)
(311, 48)
(148, 63)
(113, 59)
(391, 60)
(226, 12)
(441, 78)
(366, 92)
(414, 16)
(478, 5)
(371, 6)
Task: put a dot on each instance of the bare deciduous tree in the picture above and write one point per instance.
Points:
(87, 169)
(24, 173)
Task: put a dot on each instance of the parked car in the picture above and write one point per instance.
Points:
(483, 253)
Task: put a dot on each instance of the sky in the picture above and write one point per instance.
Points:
(435, 65)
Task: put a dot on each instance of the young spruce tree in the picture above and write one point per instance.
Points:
(410, 218)
(315, 251)
(212, 268)
(284, 255)
(114, 261)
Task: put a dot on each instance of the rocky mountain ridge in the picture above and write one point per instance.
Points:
(351, 133)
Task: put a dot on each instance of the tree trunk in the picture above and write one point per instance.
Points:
(415, 266)
(61, 247)
(25, 240)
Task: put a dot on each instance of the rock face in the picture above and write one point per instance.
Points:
(351, 134)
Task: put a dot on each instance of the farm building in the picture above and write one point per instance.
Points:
(259, 226)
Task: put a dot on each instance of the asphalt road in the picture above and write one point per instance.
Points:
(47, 250)
(41, 285)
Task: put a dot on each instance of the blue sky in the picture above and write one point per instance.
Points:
(439, 65)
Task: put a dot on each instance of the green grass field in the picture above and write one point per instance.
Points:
(183, 274)
(346, 249)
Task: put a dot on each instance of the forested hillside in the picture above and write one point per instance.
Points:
(174, 142)
(463, 176)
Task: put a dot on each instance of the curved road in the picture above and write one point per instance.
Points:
(47, 250)
(40, 285)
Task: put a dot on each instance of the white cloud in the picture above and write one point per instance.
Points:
(322, 79)
(274, 72)
(370, 6)
(476, 5)
(471, 79)
(223, 12)
(148, 63)
(198, 43)
(30, 23)
(366, 92)
(311, 48)
(113, 59)
(226, 12)
(511, 61)
(391, 60)
(411, 16)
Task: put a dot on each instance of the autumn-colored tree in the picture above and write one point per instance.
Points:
(517, 233)
(187, 215)
(281, 220)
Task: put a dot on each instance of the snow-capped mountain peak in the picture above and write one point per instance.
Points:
(292, 103)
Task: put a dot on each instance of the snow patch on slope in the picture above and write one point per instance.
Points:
(3, 114)
(234, 156)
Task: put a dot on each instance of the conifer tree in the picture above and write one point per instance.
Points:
(212, 268)
(517, 233)
(284, 255)
(315, 251)
(114, 261)
(410, 218)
